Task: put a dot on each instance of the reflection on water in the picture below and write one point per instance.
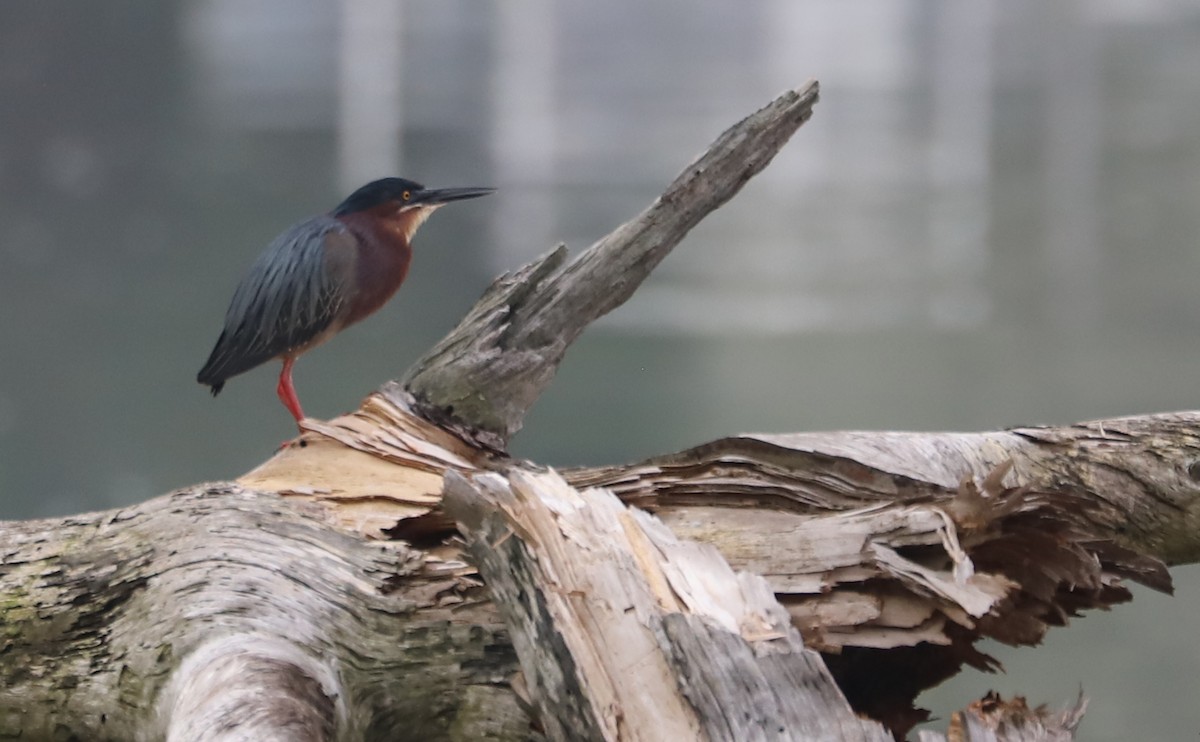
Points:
(991, 220)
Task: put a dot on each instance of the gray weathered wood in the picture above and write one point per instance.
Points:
(223, 613)
(933, 541)
(107, 615)
(486, 374)
(625, 632)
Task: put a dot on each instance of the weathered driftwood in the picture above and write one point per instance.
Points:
(923, 543)
(326, 594)
(220, 612)
(486, 374)
(665, 640)
(102, 610)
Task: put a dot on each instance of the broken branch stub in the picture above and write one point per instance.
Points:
(484, 376)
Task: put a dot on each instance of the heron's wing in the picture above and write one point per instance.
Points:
(286, 302)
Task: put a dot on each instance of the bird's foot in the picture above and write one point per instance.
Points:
(298, 440)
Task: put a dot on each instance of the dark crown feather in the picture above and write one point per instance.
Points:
(375, 193)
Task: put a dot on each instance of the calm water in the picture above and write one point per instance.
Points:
(991, 220)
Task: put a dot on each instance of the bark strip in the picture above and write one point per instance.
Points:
(626, 632)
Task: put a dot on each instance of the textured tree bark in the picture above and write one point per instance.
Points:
(660, 629)
(221, 612)
(758, 587)
(267, 606)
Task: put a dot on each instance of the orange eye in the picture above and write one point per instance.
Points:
(406, 195)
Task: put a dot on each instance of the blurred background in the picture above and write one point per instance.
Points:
(991, 220)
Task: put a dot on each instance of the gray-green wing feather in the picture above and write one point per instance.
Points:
(287, 300)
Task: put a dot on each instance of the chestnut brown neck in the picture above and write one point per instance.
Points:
(383, 255)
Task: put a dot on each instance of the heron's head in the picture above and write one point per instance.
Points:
(404, 202)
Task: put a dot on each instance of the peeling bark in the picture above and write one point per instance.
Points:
(608, 610)
(992, 719)
(115, 620)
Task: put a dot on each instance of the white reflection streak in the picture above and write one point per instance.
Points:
(1072, 150)
(798, 43)
(523, 128)
(369, 95)
(959, 163)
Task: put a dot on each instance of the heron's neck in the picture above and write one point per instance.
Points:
(382, 262)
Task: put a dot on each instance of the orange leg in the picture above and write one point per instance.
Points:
(287, 392)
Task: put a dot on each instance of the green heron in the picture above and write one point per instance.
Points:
(320, 276)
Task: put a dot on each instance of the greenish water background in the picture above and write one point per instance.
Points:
(990, 221)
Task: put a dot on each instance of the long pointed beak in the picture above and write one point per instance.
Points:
(431, 196)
